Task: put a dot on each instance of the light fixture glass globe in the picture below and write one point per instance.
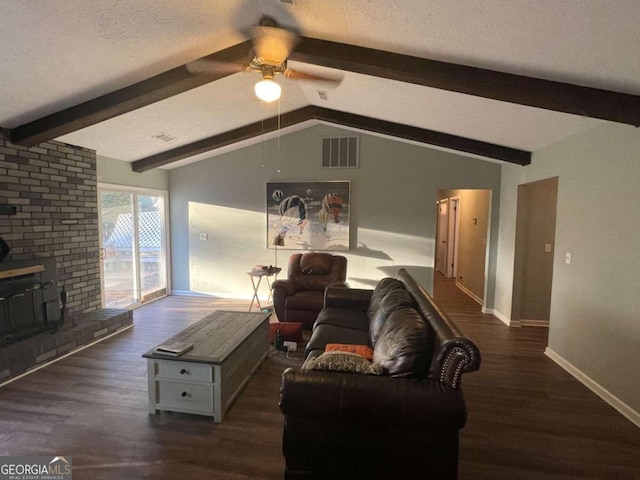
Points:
(267, 90)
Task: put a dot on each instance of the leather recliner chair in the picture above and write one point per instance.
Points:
(300, 297)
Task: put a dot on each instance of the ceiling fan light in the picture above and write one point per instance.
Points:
(267, 90)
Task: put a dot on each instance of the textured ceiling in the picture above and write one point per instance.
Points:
(57, 54)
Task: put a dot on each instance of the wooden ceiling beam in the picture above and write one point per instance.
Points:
(222, 140)
(506, 87)
(430, 137)
(533, 92)
(138, 95)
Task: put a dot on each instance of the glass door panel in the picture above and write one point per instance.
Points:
(151, 243)
(117, 249)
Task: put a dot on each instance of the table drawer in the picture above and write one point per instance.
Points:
(189, 372)
(186, 397)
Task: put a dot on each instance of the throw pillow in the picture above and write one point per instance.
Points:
(362, 350)
(342, 362)
(291, 331)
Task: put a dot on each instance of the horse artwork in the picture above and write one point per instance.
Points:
(309, 215)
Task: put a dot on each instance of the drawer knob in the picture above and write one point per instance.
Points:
(184, 394)
(183, 371)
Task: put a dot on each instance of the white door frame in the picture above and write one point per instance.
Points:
(165, 239)
(454, 231)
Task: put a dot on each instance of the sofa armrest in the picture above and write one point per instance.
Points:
(455, 357)
(349, 298)
(369, 399)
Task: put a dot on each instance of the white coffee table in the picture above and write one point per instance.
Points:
(228, 347)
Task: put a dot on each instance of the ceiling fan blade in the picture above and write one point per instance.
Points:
(274, 44)
(212, 67)
(297, 75)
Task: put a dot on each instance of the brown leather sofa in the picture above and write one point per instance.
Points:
(403, 424)
(300, 297)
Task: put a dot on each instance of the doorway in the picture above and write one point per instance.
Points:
(534, 252)
(133, 246)
(462, 232)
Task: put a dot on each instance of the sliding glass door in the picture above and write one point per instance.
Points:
(133, 246)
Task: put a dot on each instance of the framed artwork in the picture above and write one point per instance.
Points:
(308, 215)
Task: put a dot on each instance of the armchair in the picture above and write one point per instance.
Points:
(300, 297)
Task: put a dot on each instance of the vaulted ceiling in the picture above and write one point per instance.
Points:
(492, 79)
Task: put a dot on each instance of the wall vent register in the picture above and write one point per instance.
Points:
(340, 152)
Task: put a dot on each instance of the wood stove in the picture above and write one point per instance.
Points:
(30, 301)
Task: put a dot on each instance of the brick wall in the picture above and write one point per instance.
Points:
(54, 187)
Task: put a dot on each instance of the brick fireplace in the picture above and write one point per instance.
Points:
(53, 188)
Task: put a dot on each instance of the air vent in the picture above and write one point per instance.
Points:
(290, 2)
(323, 95)
(164, 137)
(340, 152)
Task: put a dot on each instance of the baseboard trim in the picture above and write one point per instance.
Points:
(470, 293)
(230, 296)
(624, 409)
(534, 323)
(506, 320)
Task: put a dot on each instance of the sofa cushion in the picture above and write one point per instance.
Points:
(393, 300)
(383, 287)
(405, 345)
(362, 350)
(324, 334)
(342, 317)
(342, 362)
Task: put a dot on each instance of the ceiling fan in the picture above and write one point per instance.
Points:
(272, 46)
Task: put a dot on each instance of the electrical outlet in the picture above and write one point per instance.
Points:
(291, 346)
(547, 247)
(567, 258)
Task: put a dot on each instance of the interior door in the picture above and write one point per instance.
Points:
(442, 236)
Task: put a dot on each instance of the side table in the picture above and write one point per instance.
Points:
(256, 277)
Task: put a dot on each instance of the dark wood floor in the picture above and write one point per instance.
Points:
(528, 419)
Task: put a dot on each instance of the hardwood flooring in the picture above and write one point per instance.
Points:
(528, 418)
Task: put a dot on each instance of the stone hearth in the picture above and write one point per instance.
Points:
(33, 352)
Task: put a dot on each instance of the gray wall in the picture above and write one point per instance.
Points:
(594, 324)
(393, 212)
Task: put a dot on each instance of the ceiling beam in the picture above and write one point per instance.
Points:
(138, 95)
(430, 137)
(534, 92)
(222, 140)
(518, 89)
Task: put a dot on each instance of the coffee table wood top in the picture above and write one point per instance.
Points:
(214, 338)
